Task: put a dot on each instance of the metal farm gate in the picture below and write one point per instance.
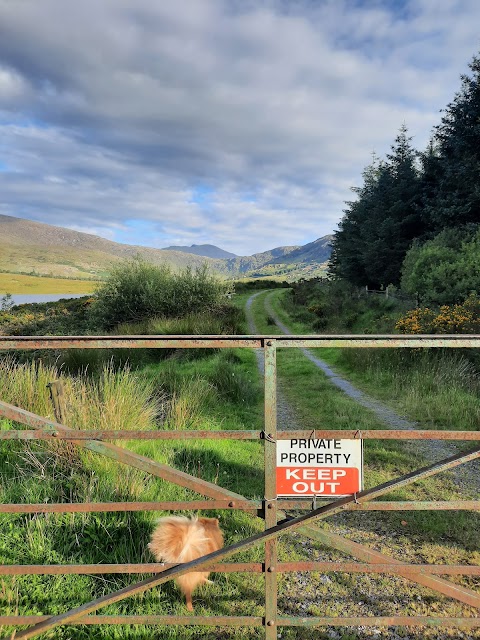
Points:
(269, 509)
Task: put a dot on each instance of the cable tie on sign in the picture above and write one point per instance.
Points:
(313, 435)
(267, 436)
(355, 498)
(358, 434)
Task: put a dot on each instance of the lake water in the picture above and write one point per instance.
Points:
(18, 298)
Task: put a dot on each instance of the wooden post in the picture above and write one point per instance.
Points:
(58, 400)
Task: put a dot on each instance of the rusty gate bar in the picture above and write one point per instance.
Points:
(128, 342)
(234, 621)
(250, 621)
(402, 569)
(253, 506)
(76, 434)
(385, 621)
(389, 505)
(254, 342)
(269, 534)
(371, 434)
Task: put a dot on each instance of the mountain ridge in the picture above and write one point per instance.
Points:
(27, 246)
(207, 250)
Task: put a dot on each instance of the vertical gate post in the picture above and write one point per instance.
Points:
(270, 502)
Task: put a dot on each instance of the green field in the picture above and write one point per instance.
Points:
(19, 283)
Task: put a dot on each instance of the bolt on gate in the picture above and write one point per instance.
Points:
(270, 509)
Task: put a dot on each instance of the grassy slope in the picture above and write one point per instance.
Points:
(56, 261)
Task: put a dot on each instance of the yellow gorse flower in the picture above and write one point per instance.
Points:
(457, 318)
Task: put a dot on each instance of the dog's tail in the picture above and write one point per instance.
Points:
(178, 539)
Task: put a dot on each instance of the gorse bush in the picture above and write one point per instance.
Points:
(136, 290)
(457, 318)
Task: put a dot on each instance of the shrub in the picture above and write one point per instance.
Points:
(136, 290)
(444, 270)
(457, 318)
(63, 317)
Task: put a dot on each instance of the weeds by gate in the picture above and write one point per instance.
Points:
(270, 509)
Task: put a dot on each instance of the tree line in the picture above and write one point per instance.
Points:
(415, 222)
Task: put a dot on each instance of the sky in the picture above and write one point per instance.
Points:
(240, 123)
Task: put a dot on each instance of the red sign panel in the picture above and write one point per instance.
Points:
(317, 481)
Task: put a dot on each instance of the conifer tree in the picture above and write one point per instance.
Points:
(456, 200)
(379, 227)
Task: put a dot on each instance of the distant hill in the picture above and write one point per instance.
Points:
(317, 251)
(37, 248)
(291, 263)
(245, 264)
(207, 250)
(34, 247)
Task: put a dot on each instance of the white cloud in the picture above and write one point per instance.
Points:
(116, 111)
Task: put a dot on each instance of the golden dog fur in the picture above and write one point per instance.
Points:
(181, 539)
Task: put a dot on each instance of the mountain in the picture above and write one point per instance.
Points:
(317, 251)
(290, 263)
(35, 247)
(42, 249)
(207, 250)
(245, 264)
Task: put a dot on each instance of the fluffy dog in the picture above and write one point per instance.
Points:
(181, 539)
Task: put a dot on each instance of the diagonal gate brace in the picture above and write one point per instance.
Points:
(120, 455)
(445, 587)
(283, 527)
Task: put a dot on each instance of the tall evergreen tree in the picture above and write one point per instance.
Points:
(346, 260)
(456, 200)
(379, 227)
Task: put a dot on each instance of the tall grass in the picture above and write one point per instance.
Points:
(116, 399)
(187, 403)
(438, 387)
(226, 320)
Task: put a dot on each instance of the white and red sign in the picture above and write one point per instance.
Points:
(307, 467)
